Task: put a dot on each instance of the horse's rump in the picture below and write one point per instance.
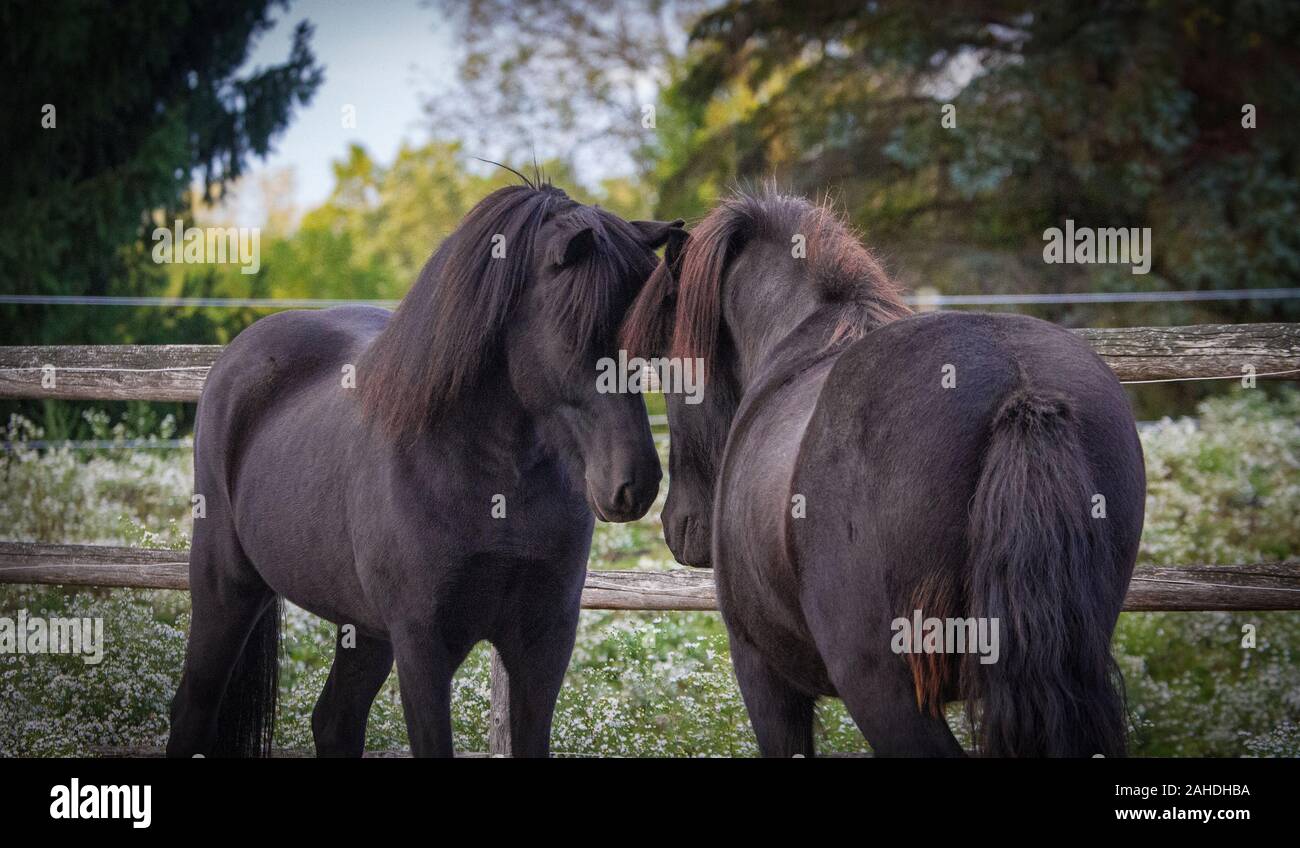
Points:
(903, 442)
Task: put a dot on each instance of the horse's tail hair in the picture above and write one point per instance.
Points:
(246, 720)
(1040, 568)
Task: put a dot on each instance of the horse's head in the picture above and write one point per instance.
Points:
(587, 267)
(526, 296)
(796, 260)
(698, 431)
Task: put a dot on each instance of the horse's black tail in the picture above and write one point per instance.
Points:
(246, 721)
(1041, 568)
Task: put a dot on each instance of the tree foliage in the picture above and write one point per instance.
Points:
(381, 222)
(1119, 114)
(560, 78)
(111, 111)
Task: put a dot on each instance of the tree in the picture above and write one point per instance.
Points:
(111, 110)
(371, 237)
(561, 78)
(1113, 115)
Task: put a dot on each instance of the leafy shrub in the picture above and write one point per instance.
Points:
(57, 705)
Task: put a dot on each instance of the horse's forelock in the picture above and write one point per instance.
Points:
(698, 318)
(648, 329)
(594, 294)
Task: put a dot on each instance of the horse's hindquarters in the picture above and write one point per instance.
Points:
(902, 445)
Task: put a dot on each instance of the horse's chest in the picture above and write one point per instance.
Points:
(519, 522)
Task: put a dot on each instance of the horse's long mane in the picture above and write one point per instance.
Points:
(680, 308)
(446, 331)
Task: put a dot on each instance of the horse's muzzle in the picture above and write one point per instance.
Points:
(688, 539)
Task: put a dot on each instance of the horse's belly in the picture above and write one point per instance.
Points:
(311, 568)
(289, 495)
(758, 588)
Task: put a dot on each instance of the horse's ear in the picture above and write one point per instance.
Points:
(654, 234)
(677, 238)
(570, 246)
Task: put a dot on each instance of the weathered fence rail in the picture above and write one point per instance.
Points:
(1206, 350)
(1260, 586)
(177, 372)
(106, 372)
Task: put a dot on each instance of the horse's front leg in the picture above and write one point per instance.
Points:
(425, 665)
(781, 714)
(534, 670)
(535, 640)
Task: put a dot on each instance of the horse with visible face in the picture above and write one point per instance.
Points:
(854, 469)
(425, 479)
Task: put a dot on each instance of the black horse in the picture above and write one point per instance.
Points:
(425, 479)
(851, 465)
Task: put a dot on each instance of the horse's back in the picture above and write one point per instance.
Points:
(289, 347)
(267, 369)
(282, 352)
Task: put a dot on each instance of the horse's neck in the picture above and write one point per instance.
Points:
(762, 312)
(794, 341)
(800, 355)
(487, 429)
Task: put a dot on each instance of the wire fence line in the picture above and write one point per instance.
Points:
(214, 302)
(1103, 297)
(127, 444)
(913, 299)
(97, 444)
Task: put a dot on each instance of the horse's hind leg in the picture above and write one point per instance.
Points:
(883, 705)
(338, 724)
(228, 598)
(851, 626)
(782, 715)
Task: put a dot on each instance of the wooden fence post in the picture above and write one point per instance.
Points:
(499, 711)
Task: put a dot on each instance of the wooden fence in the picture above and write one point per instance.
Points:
(177, 372)
(1262, 586)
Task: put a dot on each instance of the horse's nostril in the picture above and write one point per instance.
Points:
(681, 533)
(623, 500)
